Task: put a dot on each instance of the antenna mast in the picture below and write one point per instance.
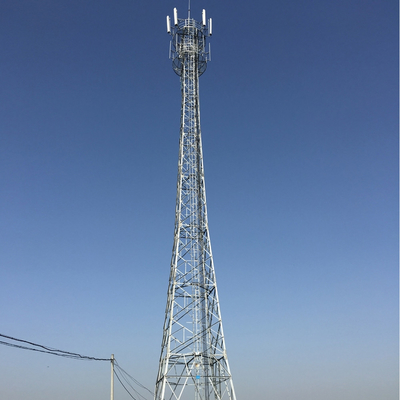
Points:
(193, 361)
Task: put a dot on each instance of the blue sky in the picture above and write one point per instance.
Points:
(299, 111)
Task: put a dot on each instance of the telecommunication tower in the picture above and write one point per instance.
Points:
(193, 362)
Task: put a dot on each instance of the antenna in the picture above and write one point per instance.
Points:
(189, 10)
(175, 17)
(168, 24)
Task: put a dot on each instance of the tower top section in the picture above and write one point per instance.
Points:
(189, 41)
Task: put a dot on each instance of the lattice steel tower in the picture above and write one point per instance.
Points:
(193, 362)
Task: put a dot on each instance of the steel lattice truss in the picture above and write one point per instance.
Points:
(193, 362)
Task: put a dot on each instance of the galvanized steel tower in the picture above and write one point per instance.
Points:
(193, 362)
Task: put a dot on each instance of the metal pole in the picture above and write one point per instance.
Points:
(112, 376)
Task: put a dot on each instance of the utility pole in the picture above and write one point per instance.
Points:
(112, 376)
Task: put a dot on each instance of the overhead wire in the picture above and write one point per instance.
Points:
(133, 379)
(130, 385)
(48, 350)
(62, 353)
(130, 394)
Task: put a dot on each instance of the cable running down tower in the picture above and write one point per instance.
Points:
(193, 362)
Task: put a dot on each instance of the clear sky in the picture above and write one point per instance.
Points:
(299, 109)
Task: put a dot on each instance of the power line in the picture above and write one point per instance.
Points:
(48, 350)
(125, 376)
(133, 379)
(130, 394)
(62, 353)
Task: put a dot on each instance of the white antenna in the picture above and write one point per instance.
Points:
(204, 17)
(168, 24)
(210, 26)
(175, 17)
